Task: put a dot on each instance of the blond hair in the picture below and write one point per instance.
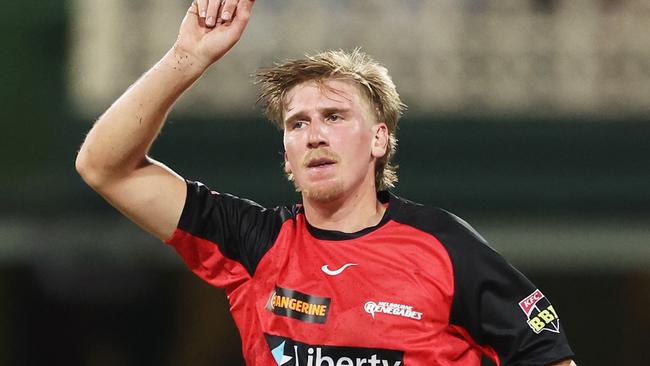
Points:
(355, 66)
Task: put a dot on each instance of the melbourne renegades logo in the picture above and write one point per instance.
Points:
(540, 313)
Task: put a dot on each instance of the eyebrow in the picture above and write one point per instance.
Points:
(324, 111)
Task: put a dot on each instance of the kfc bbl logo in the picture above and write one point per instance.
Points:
(540, 313)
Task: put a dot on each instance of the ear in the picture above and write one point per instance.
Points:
(380, 140)
(287, 165)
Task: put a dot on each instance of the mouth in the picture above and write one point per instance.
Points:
(320, 163)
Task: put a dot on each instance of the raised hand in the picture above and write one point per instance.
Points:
(211, 28)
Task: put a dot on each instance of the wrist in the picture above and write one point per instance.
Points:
(184, 63)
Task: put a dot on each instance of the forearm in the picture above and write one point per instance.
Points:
(113, 160)
(118, 142)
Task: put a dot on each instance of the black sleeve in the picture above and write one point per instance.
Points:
(499, 306)
(242, 229)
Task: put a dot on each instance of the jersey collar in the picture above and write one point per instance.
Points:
(382, 196)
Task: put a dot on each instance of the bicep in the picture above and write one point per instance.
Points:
(152, 196)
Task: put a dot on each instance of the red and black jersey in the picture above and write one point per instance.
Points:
(419, 288)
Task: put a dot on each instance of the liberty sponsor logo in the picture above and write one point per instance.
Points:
(297, 305)
(540, 313)
(287, 352)
(336, 272)
(390, 308)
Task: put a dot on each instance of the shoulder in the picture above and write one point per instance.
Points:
(452, 231)
(209, 210)
(197, 192)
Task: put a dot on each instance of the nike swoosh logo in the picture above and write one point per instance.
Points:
(336, 272)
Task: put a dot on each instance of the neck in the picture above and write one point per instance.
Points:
(353, 211)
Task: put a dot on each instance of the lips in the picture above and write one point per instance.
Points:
(321, 162)
(320, 158)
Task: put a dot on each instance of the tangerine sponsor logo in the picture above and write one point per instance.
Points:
(298, 305)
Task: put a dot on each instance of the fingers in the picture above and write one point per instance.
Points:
(228, 9)
(212, 12)
(243, 14)
(202, 6)
(193, 8)
(215, 12)
(209, 10)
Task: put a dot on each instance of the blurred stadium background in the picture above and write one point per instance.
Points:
(529, 118)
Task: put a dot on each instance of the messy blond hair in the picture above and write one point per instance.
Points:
(355, 66)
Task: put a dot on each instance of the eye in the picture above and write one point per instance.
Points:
(333, 117)
(298, 124)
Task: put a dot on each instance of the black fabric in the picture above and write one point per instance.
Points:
(383, 197)
(243, 230)
(487, 291)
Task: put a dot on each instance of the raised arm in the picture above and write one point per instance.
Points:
(113, 159)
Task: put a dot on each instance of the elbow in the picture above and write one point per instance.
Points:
(99, 172)
(80, 163)
(89, 171)
(84, 168)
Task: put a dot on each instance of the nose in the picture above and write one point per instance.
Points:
(317, 134)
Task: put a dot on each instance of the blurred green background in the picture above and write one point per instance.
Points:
(564, 196)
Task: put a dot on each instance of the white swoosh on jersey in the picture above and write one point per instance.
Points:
(338, 271)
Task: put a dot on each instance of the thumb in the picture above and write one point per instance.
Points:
(242, 15)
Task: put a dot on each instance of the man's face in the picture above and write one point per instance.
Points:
(331, 139)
